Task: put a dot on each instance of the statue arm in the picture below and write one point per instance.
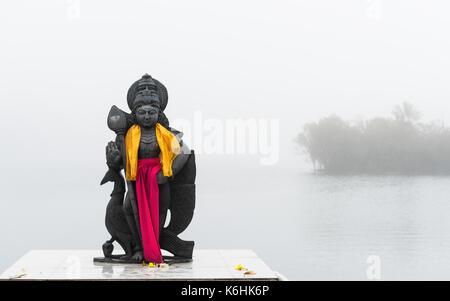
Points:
(180, 160)
(113, 156)
(119, 122)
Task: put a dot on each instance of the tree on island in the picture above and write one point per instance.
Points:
(397, 144)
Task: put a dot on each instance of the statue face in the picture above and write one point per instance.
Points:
(147, 115)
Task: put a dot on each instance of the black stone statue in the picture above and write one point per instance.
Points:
(147, 98)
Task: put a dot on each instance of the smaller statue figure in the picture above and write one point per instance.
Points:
(160, 176)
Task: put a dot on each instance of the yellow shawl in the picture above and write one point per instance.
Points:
(167, 142)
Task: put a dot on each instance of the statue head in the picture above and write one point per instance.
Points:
(147, 99)
(150, 84)
(146, 108)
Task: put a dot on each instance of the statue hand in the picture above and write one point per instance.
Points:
(161, 178)
(113, 156)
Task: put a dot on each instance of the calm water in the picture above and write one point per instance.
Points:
(324, 227)
(304, 226)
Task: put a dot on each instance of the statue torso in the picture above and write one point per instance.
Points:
(148, 145)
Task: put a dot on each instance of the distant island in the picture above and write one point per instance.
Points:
(395, 145)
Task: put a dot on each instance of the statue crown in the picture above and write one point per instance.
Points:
(147, 87)
(146, 83)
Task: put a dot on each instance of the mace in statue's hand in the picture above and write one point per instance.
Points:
(113, 157)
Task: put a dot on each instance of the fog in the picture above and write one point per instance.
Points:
(65, 63)
(295, 61)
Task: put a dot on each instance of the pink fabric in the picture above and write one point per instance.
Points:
(148, 202)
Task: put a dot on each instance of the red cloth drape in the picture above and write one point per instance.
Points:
(147, 193)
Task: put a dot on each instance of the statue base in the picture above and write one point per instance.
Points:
(78, 264)
(119, 259)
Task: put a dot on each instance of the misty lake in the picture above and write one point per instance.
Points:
(314, 227)
(305, 226)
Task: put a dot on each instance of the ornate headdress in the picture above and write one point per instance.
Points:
(147, 90)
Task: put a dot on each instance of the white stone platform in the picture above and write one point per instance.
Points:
(78, 264)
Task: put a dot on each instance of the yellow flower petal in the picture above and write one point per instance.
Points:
(241, 268)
